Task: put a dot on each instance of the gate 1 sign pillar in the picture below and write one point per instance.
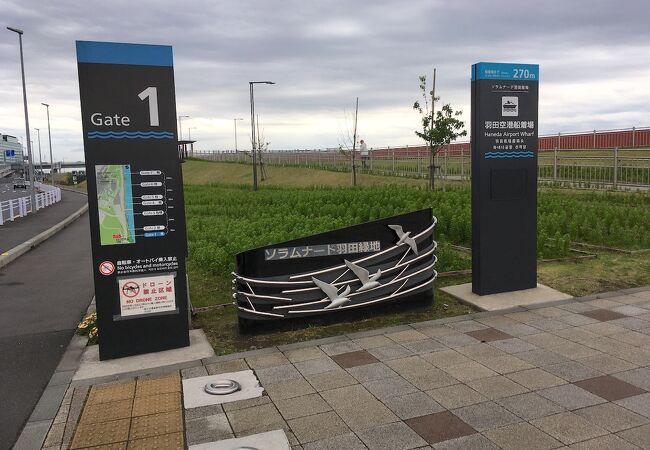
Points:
(504, 177)
(135, 197)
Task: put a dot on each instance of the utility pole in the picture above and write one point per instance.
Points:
(40, 155)
(235, 122)
(49, 136)
(354, 145)
(432, 168)
(27, 138)
(253, 139)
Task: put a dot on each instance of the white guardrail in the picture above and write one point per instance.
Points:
(20, 207)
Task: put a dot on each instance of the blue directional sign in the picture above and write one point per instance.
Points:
(504, 176)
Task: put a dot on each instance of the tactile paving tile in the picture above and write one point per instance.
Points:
(104, 412)
(171, 441)
(90, 434)
(154, 404)
(156, 424)
(111, 392)
(162, 385)
(116, 446)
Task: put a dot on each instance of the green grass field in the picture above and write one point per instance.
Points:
(225, 217)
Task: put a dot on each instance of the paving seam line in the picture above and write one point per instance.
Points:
(26, 246)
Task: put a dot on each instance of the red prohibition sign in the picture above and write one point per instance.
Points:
(106, 268)
(130, 289)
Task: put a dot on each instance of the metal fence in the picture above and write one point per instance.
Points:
(12, 209)
(593, 166)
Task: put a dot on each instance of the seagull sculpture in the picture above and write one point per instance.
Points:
(333, 293)
(404, 238)
(367, 281)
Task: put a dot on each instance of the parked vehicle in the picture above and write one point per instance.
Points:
(20, 183)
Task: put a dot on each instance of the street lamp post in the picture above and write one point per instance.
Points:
(180, 126)
(254, 146)
(189, 132)
(235, 122)
(27, 139)
(49, 137)
(40, 155)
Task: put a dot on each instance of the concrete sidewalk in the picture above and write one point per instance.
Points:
(573, 374)
(24, 228)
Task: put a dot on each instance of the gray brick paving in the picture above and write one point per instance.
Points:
(370, 372)
(307, 405)
(207, 429)
(520, 436)
(639, 404)
(473, 441)
(487, 415)
(411, 405)
(516, 393)
(570, 396)
(348, 441)
(530, 406)
(393, 436)
(568, 428)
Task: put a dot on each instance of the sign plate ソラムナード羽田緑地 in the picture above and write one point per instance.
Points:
(135, 196)
(504, 177)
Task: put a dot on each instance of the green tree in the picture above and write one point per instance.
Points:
(439, 128)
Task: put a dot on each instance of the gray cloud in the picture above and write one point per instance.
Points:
(593, 56)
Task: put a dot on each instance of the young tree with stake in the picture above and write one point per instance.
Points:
(438, 128)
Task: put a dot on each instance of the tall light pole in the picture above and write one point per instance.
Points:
(180, 126)
(40, 155)
(235, 122)
(29, 146)
(49, 136)
(251, 84)
(189, 131)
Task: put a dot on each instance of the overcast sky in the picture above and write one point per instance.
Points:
(593, 55)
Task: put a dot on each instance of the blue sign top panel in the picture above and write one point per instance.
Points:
(505, 71)
(121, 53)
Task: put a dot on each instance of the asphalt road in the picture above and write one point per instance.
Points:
(24, 228)
(7, 191)
(43, 295)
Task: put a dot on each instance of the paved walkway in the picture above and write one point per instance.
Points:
(39, 309)
(572, 375)
(25, 228)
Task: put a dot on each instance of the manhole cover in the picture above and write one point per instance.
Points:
(223, 387)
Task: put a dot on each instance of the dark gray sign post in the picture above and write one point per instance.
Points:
(504, 177)
(135, 196)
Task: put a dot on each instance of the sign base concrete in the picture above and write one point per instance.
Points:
(92, 368)
(505, 300)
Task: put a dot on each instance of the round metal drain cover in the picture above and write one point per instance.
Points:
(222, 387)
(246, 448)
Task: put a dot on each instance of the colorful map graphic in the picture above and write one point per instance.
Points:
(115, 203)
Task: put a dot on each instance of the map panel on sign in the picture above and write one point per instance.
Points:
(115, 204)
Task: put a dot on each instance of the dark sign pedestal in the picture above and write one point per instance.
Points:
(135, 197)
(504, 177)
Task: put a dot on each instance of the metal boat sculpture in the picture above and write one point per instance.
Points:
(377, 262)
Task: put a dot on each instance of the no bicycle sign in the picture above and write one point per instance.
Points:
(106, 268)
